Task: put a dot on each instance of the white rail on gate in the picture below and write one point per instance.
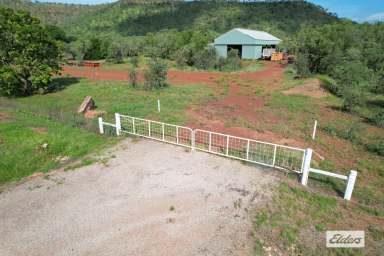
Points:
(259, 152)
(174, 134)
(264, 153)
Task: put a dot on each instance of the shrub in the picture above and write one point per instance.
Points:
(377, 147)
(378, 118)
(233, 61)
(352, 99)
(206, 58)
(133, 77)
(302, 65)
(115, 54)
(156, 74)
(184, 56)
(134, 60)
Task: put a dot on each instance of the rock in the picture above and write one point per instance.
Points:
(87, 104)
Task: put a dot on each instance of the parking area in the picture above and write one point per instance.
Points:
(142, 198)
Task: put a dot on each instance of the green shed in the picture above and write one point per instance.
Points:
(251, 44)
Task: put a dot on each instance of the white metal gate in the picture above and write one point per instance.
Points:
(258, 152)
(169, 133)
(264, 153)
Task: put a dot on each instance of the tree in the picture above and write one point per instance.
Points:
(206, 58)
(29, 56)
(96, 49)
(233, 61)
(156, 74)
(132, 73)
(115, 54)
(301, 65)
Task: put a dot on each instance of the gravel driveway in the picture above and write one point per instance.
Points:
(150, 198)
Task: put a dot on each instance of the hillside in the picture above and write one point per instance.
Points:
(127, 18)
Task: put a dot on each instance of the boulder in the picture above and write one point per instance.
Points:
(87, 104)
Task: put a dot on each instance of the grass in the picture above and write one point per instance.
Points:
(21, 144)
(117, 97)
(21, 148)
(293, 209)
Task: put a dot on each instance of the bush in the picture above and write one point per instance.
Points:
(184, 56)
(115, 54)
(378, 118)
(156, 74)
(206, 58)
(377, 147)
(233, 61)
(134, 60)
(133, 77)
(352, 99)
(302, 65)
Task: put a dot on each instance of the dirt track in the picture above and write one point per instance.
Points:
(151, 199)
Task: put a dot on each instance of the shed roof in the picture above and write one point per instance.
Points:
(258, 35)
(246, 36)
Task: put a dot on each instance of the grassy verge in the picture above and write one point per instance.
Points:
(31, 144)
(295, 221)
(50, 119)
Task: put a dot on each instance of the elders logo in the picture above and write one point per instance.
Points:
(345, 239)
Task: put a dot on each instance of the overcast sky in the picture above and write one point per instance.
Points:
(359, 10)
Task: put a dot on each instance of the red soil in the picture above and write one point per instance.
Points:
(239, 103)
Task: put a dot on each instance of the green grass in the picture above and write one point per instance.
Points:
(20, 145)
(290, 103)
(118, 97)
(21, 148)
(293, 209)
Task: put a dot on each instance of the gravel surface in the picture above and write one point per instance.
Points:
(150, 198)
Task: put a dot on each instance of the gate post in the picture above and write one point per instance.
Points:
(101, 127)
(307, 166)
(350, 185)
(118, 123)
(193, 138)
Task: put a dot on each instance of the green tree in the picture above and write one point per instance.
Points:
(206, 58)
(133, 73)
(29, 56)
(302, 66)
(156, 74)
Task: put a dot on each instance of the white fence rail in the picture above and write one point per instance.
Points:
(259, 152)
(264, 153)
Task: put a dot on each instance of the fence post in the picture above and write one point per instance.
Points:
(248, 149)
(314, 130)
(177, 134)
(163, 128)
(101, 127)
(193, 138)
(274, 155)
(350, 185)
(227, 145)
(307, 165)
(118, 123)
(210, 142)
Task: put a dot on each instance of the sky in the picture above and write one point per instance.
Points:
(358, 10)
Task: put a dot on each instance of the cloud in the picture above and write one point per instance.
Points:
(375, 17)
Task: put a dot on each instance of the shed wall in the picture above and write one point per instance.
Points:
(221, 50)
(251, 52)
